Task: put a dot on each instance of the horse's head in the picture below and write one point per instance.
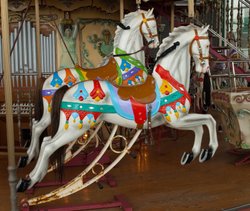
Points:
(148, 27)
(199, 49)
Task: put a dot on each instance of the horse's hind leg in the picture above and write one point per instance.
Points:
(37, 128)
(48, 147)
(194, 122)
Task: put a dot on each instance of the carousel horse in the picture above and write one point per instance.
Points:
(124, 69)
(163, 98)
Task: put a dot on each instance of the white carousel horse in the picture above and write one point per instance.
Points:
(166, 94)
(128, 70)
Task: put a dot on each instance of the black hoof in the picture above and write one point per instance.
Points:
(187, 158)
(22, 185)
(133, 155)
(22, 161)
(206, 154)
(100, 186)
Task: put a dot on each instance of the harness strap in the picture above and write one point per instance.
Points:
(197, 38)
(140, 112)
(145, 21)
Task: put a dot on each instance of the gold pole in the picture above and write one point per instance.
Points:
(121, 9)
(191, 8)
(8, 102)
(172, 17)
(38, 45)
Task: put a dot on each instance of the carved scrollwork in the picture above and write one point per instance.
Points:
(242, 98)
(18, 5)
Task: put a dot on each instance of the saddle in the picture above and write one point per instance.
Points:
(107, 72)
(143, 93)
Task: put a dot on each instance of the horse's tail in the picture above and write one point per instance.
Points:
(39, 107)
(39, 99)
(57, 159)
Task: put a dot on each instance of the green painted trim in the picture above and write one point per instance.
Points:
(119, 77)
(171, 98)
(79, 72)
(88, 107)
(131, 60)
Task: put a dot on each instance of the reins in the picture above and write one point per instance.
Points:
(123, 26)
(167, 51)
(128, 54)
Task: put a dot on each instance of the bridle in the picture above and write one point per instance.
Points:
(151, 35)
(145, 21)
(197, 38)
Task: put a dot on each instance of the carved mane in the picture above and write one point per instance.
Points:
(174, 36)
(126, 21)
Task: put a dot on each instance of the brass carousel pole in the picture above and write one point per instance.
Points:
(190, 8)
(121, 9)
(38, 45)
(172, 17)
(8, 101)
(249, 35)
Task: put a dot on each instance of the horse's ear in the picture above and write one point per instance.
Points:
(150, 12)
(205, 29)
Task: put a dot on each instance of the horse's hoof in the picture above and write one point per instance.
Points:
(206, 154)
(23, 185)
(100, 186)
(22, 161)
(187, 158)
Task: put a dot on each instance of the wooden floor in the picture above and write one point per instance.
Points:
(155, 180)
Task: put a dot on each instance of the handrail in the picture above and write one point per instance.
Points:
(229, 76)
(225, 40)
(198, 22)
(245, 2)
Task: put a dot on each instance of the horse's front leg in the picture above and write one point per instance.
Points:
(187, 157)
(195, 122)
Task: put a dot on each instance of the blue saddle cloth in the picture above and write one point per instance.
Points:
(124, 108)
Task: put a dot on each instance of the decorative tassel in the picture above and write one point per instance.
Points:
(184, 110)
(168, 118)
(92, 124)
(49, 108)
(176, 114)
(80, 125)
(66, 126)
